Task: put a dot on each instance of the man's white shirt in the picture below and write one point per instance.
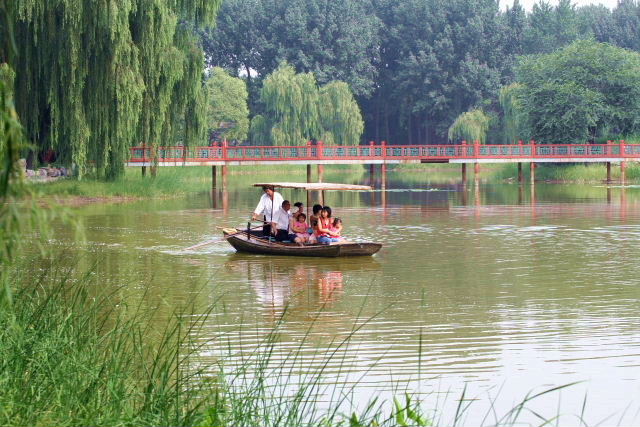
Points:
(282, 218)
(266, 204)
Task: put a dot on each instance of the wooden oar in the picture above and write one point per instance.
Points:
(210, 242)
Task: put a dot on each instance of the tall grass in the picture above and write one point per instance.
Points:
(72, 355)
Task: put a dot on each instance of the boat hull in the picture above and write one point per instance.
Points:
(257, 245)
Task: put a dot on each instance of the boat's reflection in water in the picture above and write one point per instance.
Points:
(301, 286)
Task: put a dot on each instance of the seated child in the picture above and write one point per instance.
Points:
(336, 229)
(301, 229)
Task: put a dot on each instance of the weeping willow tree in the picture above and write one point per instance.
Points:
(340, 114)
(296, 110)
(513, 120)
(470, 126)
(291, 105)
(19, 212)
(96, 76)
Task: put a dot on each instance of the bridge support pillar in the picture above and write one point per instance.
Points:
(464, 173)
(520, 179)
(623, 169)
(532, 169)
(383, 176)
(608, 172)
(476, 168)
(225, 172)
(144, 171)
(213, 177)
(320, 172)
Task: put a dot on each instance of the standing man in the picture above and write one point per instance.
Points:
(269, 203)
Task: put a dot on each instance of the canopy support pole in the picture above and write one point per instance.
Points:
(308, 194)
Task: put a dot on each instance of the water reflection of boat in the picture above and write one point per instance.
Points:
(281, 282)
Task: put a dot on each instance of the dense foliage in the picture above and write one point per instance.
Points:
(414, 65)
(585, 91)
(94, 77)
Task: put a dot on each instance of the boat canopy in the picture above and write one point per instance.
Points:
(315, 186)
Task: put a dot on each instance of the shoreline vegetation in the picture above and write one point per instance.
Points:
(172, 182)
(86, 357)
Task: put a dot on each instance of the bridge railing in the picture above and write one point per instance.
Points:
(379, 152)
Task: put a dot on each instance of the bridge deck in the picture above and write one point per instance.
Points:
(384, 154)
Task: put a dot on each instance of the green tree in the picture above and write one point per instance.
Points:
(296, 110)
(227, 105)
(449, 57)
(334, 39)
(550, 27)
(470, 126)
(340, 115)
(512, 114)
(584, 91)
(291, 105)
(626, 25)
(95, 78)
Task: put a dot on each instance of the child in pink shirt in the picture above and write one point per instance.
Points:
(336, 228)
(301, 229)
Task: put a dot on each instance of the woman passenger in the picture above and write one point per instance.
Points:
(325, 222)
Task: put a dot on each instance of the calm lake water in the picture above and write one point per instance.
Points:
(491, 288)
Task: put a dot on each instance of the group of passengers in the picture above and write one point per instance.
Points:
(285, 225)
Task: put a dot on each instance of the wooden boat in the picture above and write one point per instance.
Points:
(252, 241)
(256, 243)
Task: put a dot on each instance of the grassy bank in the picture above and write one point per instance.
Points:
(497, 172)
(178, 181)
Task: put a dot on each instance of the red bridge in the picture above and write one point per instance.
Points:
(222, 154)
(227, 155)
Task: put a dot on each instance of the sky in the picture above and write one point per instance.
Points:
(528, 4)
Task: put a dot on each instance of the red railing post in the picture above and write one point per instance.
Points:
(476, 148)
(464, 148)
(224, 150)
(533, 148)
(384, 149)
(622, 149)
(319, 150)
(372, 149)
